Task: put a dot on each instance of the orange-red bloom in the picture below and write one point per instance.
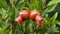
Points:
(33, 13)
(24, 14)
(38, 19)
(18, 20)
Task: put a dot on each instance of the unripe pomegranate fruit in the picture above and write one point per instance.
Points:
(18, 20)
(33, 13)
(24, 14)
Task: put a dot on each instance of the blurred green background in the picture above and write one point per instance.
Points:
(49, 9)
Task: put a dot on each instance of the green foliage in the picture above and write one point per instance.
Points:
(9, 11)
(49, 9)
(53, 2)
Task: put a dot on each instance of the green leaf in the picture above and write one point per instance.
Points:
(57, 22)
(3, 4)
(53, 29)
(3, 29)
(23, 25)
(4, 13)
(20, 4)
(11, 1)
(53, 19)
(53, 2)
(49, 9)
(1, 23)
(12, 13)
(33, 33)
(28, 26)
(36, 4)
(54, 16)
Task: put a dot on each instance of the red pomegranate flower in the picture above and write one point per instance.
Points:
(18, 20)
(24, 14)
(33, 13)
(38, 19)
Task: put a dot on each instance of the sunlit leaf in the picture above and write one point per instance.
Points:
(11, 1)
(53, 2)
(54, 16)
(53, 29)
(49, 9)
(3, 4)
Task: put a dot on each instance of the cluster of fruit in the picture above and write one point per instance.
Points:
(33, 14)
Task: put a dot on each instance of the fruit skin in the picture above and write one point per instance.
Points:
(24, 14)
(33, 13)
(18, 20)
